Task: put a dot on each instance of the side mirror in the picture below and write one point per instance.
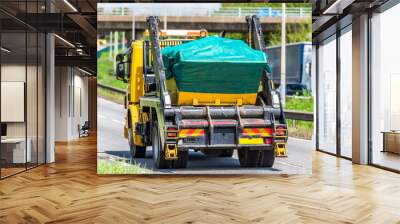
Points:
(120, 74)
(120, 69)
(120, 57)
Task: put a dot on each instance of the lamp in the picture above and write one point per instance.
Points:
(5, 50)
(70, 5)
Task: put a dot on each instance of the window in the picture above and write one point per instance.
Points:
(385, 89)
(327, 96)
(22, 78)
(346, 93)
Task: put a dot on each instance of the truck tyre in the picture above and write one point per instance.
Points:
(226, 153)
(158, 149)
(137, 151)
(219, 152)
(256, 158)
(248, 157)
(181, 162)
(267, 158)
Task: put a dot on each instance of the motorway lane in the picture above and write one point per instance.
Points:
(112, 145)
(110, 121)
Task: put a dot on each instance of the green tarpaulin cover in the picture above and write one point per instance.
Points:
(215, 65)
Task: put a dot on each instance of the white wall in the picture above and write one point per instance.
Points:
(71, 102)
(33, 126)
(62, 82)
(12, 73)
(81, 112)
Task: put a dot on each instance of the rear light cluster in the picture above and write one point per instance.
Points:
(172, 132)
(268, 141)
(280, 131)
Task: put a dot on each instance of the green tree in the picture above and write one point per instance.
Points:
(300, 32)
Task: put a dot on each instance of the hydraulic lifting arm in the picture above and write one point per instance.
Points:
(256, 40)
(271, 97)
(158, 65)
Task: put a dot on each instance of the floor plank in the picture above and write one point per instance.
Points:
(70, 191)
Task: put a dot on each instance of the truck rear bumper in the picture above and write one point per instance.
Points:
(224, 146)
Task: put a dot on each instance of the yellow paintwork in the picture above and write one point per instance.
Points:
(262, 132)
(180, 33)
(195, 99)
(280, 149)
(101, 42)
(136, 83)
(135, 118)
(172, 90)
(136, 88)
(171, 152)
(183, 133)
(251, 141)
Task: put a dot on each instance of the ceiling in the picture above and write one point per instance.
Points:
(74, 22)
(331, 14)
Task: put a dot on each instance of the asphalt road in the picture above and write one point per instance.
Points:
(111, 120)
(113, 145)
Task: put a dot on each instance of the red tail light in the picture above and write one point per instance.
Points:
(171, 129)
(280, 131)
(268, 141)
(171, 134)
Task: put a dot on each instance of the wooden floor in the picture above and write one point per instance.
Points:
(387, 159)
(70, 191)
(8, 171)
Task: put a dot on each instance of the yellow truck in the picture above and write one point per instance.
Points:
(215, 124)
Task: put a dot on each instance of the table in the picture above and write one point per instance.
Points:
(13, 150)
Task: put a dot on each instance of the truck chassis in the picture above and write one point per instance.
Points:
(255, 131)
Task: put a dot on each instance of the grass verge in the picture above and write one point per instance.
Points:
(110, 95)
(300, 129)
(105, 72)
(120, 167)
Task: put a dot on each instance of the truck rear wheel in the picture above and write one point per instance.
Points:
(158, 149)
(181, 162)
(219, 152)
(137, 151)
(256, 158)
(267, 158)
(226, 153)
